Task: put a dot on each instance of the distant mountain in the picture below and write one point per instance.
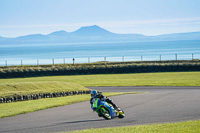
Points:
(59, 33)
(180, 36)
(95, 34)
(32, 37)
(2, 38)
(92, 31)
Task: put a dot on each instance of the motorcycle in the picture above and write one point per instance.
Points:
(106, 110)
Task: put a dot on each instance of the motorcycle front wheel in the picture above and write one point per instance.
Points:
(121, 114)
(105, 113)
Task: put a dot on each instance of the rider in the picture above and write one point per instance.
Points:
(96, 94)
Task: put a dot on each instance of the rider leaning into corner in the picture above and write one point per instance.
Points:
(96, 94)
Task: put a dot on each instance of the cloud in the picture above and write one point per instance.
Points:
(153, 22)
(164, 22)
(147, 27)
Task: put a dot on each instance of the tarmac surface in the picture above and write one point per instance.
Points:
(160, 105)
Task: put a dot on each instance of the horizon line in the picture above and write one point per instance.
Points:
(102, 28)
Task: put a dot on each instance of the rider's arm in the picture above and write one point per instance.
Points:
(102, 97)
(91, 102)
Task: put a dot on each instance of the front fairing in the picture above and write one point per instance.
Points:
(97, 103)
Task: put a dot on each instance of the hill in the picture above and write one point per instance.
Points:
(96, 34)
(92, 31)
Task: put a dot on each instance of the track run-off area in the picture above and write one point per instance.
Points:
(159, 105)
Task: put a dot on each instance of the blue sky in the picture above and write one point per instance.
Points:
(148, 17)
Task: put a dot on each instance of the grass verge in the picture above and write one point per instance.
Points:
(26, 88)
(182, 127)
(137, 79)
(16, 108)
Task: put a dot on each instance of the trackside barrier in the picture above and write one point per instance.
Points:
(111, 69)
(16, 98)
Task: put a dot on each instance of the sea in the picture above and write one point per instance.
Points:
(67, 53)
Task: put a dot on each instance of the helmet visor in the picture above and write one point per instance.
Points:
(92, 95)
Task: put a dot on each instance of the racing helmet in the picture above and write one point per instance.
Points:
(93, 93)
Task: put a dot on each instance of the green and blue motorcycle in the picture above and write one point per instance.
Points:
(106, 110)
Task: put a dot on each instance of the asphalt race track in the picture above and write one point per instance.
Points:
(160, 105)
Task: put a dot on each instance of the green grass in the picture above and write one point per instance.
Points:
(182, 127)
(138, 79)
(16, 108)
(25, 88)
(66, 83)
